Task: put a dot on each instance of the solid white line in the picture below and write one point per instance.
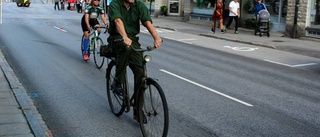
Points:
(277, 63)
(298, 65)
(185, 39)
(212, 90)
(60, 28)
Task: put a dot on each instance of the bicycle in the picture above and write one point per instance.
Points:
(152, 107)
(94, 46)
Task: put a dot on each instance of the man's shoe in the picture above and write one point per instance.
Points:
(212, 30)
(236, 32)
(85, 57)
(116, 87)
(225, 30)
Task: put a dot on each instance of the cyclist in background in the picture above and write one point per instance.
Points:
(125, 17)
(90, 18)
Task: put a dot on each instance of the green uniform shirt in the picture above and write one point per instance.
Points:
(130, 18)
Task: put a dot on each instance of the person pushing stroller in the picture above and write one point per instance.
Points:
(262, 16)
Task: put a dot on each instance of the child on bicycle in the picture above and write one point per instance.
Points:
(90, 18)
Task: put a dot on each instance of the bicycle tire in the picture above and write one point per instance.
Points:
(116, 101)
(82, 50)
(157, 122)
(98, 60)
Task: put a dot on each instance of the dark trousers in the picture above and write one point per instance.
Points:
(79, 8)
(62, 5)
(126, 54)
(236, 19)
(56, 4)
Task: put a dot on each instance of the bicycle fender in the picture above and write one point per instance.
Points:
(149, 79)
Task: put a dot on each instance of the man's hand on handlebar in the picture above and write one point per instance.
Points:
(127, 41)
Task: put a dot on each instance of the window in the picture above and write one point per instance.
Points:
(203, 4)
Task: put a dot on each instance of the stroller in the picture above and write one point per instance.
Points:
(262, 25)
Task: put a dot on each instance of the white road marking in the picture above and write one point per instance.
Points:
(241, 48)
(158, 30)
(301, 65)
(298, 65)
(60, 28)
(180, 40)
(212, 90)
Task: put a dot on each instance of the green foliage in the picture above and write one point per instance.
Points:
(250, 23)
(249, 6)
(164, 10)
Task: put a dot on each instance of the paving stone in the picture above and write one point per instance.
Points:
(14, 129)
(10, 110)
(12, 118)
(8, 102)
(5, 95)
(24, 135)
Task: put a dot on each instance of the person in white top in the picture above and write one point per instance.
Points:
(234, 14)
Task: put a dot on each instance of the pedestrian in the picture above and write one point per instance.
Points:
(56, 3)
(258, 7)
(234, 14)
(217, 15)
(125, 17)
(62, 4)
(78, 5)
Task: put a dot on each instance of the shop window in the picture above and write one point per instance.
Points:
(203, 4)
(273, 7)
(314, 12)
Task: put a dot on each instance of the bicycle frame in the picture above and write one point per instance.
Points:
(131, 101)
(93, 38)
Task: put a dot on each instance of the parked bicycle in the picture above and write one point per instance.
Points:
(95, 43)
(150, 101)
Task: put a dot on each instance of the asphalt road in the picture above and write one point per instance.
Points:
(228, 89)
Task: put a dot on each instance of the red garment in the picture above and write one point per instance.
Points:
(218, 12)
(71, 1)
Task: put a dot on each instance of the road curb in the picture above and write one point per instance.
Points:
(240, 41)
(35, 121)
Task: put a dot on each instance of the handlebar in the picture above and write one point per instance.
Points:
(96, 27)
(149, 48)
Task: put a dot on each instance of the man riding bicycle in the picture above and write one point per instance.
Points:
(125, 17)
(90, 18)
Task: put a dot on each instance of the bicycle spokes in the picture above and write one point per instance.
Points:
(155, 109)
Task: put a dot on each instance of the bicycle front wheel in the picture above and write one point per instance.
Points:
(116, 100)
(82, 46)
(153, 111)
(98, 60)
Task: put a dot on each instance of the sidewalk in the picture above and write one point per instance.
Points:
(304, 46)
(18, 115)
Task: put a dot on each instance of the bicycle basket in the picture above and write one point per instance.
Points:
(106, 51)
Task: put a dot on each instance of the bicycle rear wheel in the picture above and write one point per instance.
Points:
(98, 60)
(153, 106)
(116, 100)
